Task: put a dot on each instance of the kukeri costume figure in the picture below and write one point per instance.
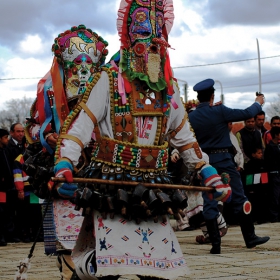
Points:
(79, 54)
(132, 109)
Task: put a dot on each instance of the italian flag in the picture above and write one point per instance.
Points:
(261, 178)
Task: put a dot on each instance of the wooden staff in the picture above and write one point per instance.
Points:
(130, 183)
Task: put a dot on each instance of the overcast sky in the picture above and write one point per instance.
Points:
(205, 32)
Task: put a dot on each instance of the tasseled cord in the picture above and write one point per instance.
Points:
(25, 264)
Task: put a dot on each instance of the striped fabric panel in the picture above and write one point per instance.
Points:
(49, 230)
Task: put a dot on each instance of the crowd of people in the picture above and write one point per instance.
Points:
(20, 219)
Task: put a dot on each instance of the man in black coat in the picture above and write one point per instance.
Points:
(16, 145)
(7, 192)
(272, 163)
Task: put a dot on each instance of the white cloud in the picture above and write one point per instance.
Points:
(21, 69)
(32, 44)
(27, 68)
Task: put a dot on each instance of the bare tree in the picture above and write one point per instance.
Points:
(6, 119)
(274, 108)
(16, 110)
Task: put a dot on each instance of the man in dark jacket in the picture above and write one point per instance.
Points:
(272, 163)
(7, 192)
(17, 141)
(16, 146)
(259, 122)
(249, 138)
(210, 124)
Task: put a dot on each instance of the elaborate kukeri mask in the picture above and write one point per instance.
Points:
(81, 52)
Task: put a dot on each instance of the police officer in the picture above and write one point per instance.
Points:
(210, 124)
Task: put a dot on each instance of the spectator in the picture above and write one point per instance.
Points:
(249, 138)
(238, 155)
(17, 141)
(7, 193)
(16, 146)
(257, 192)
(259, 122)
(275, 121)
(28, 227)
(210, 124)
(272, 162)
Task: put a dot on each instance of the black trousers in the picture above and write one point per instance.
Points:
(28, 218)
(274, 199)
(7, 214)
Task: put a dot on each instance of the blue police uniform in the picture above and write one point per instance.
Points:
(210, 124)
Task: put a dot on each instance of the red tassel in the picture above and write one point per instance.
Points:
(168, 75)
(127, 86)
(59, 93)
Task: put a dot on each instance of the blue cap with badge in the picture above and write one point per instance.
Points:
(204, 85)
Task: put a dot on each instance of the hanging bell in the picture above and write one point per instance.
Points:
(166, 202)
(179, 200)
(122, 198)
(140, 196)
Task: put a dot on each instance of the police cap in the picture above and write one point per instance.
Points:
(204, 85)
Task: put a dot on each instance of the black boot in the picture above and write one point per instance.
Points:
(214, 236)
(248, 232)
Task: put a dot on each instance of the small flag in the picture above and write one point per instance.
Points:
(264, 178)
(2, 197)
(150, 232)
(249, 179)
(34, 199)
(108, 230)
